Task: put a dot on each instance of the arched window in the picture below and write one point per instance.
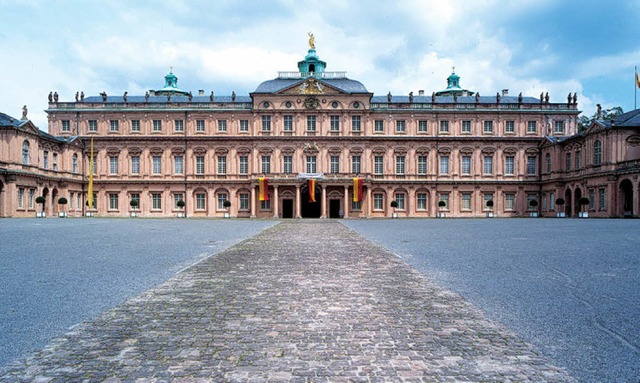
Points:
(597, 152)
(547, 160)
(74, 163)
(25, 152)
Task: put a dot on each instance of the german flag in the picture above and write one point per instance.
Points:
(311, 184)
(637, 79)
(263, 194)
(357, 189)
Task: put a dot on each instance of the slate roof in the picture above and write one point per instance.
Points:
(163, 99)
(6, 120)
(461, 100)
(628, 120)
(344, 84)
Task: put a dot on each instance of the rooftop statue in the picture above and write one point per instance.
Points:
(312, 41)
(24, 113)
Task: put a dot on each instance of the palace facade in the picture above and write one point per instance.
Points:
(453, 153)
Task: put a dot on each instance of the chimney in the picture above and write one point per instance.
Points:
(421, 92)
(201, 92)
(505, 92)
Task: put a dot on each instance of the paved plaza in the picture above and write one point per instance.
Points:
(303, 301)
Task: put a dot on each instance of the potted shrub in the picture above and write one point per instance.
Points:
(62, 201)
(533, 204)
(40, 200)
(181, 204)
(442, 205)
(134, 207)
(490, 207)
(227, 205)
(89, 213)
(394, 205)
(583, 202)
(560, 202)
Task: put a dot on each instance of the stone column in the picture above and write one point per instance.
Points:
(323, 202)
(297, 202)
(253, 201)
(367, 209)
(346, 201)
(275, 201)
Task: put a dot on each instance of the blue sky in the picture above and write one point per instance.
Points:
(538, 46)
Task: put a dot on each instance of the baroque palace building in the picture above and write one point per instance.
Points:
(316, 144)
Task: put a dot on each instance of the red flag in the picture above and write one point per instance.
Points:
(312, 190)
(357, 189)
(637, 79)
(263, 194)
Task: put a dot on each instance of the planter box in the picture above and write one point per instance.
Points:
(88, 214)
(533, 214)
(227, 215)
(583, 214)
(62, 214)
(442, 214)
(394, 215)
(560, 214)
(40, 214)
(180, 215)
(489, 214)
(133, 214)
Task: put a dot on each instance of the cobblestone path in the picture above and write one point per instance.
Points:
(304, 301)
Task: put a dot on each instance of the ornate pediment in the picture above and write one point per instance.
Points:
(312, 86)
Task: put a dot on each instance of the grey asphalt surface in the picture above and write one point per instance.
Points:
(56, 273)
(571, 287)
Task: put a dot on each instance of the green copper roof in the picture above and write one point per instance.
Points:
(171, 86)
(312, 64)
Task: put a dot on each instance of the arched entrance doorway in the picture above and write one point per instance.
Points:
(626, 198)
(2, 212)
(310, 209)
(576, 201)
(567, 202)
(54, 201)
(45, 194)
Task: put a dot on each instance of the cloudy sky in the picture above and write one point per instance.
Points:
(525, 46)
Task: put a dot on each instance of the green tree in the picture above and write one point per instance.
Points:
(607, 114)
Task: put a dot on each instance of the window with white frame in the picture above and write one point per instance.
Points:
(244, 201)
(178, 165)
(558, 127)
(547, 160)
(444, 164)
(378, 201)
(311, 164)
(66, 126)
(509, 165)
(93, 126)
(135, 164)
(265, 205)
(113, 201)
(422, 126)
(177, 197)
(597, 152)
(156, 201)
(592, 199)
(532, 126)
(114, 125)
(201, 201)
(178, 125)
(488, 127)
(567, 164)
(25, 152)
(243, 164)
(334, 123)
(157, 125)
(487, 197)
(531, 197)
(222, 126)
(222, 165)
(578, 159)
(135, 197)
(509, 201)
(487, 167)
(543, 198)
(221, 198)
(113, 165)
(287, 164)
(20, 198)
(45, 159)
(466, 126)
(355, 123)
(400, 165)
(603, 198)
(421, 200)
(510, 127)
(356, 206)
(200, 126)
(378, 126)
(465, 165)
(444, 126)
(356, 164)
(531, 165)
(135, 126)
(266, 123)
(55, 161)
(378, 165)
(444, 197)
(552, 201)
(32, 198)
(244, 126)
(74, 163)
(465, 201)
(422, 165)
(265, 164)
(199, 165)
(287, 123)
(401, 126)
(335, 164)
(71, 200)
(400, 200)
(156, 165)
(311, 123)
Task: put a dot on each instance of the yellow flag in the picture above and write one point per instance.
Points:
(90, 196)
(637, 79)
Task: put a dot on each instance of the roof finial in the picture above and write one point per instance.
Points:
(453, 69)
(171, 69)
(312, 41)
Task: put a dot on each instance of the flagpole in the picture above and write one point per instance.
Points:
(635, 89)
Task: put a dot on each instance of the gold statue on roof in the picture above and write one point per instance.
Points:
(312, 41)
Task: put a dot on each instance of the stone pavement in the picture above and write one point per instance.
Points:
(304, 301)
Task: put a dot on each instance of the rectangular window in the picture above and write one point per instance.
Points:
(157, 125)
(200, 165)
(244, 201)
(568, 162)
(55, 161)
(378, 165)
(176, 198)
(355, 123)
(74, 163)
(244, 125)
(94, 166)
(178, 165)
(201, 201)
(558, 127)
(444, 164)
(603, 199)
(356, 206)
(222, 165)
(32, 198)
(178, 125)
(510, 127)
(311, 123)
(378, 126)
(444, 126)
(78, 200)
(378, 201)
(356, 164)
(45, 160)
(547, 159)
(288, 123)
(222, 125)
(465, 165)
(543, 198)
(400, 201)
(465, 201)
(592, 199)
(93, 125)
(266, 123)
(466, 126)
(509, 165)
(400, 165)
(311, 164)
(335, 123)
(20, 198)
(401, 126)
(135, 164)
(287, 164)
(578, 159)
(532, 126)
(487, 197)
(243, 164)
(157, 165)
(265, 205)
(335, 164)
(71, 200)
(422, 165)
(66, 126)
(200, 126)
(113, 165)
(135, 197)
(266, 164)
(113, 201)
(135, 126)
(509, 201)
(488, 165)
(531, 197)
(552, 201)
(114, 125)
(531, 165)
(488, 127)
(444, 197)
(422, 126)
(221, 198)
(422, 201)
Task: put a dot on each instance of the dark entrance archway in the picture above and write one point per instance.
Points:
(45, 194)
(567, 202)
(287, 208)
(334, 208)
(626, 198)
(310, 209)
(576, 201)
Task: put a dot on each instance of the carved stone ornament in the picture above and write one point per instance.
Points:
(311, 103)
(311, 86)
(633, 140)
(311, 147)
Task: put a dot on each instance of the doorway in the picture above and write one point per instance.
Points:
(310, 209)
(287, 208)
(334, 208)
